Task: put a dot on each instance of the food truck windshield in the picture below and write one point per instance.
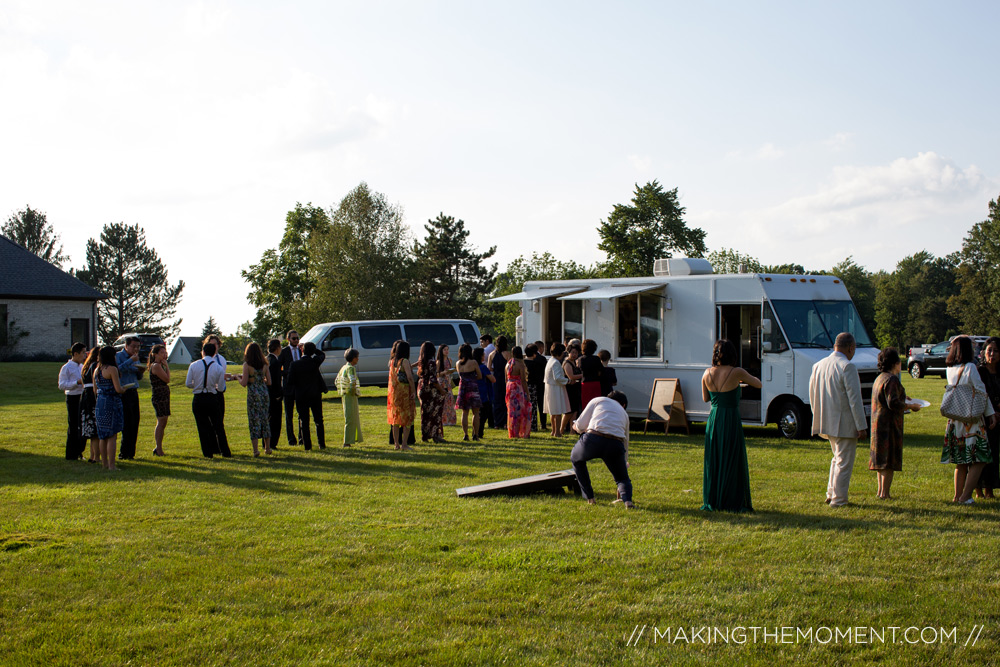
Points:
(817, 323)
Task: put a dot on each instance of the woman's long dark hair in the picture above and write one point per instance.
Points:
(254, 356)
(400, 350)
(960, 352)
(724, 353)
(155, 350)
(91, 360)
(426, 366)
(107, 356)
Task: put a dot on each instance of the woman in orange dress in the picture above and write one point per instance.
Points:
(402, 394)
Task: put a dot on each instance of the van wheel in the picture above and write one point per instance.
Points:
(917, 369)
(793, 421)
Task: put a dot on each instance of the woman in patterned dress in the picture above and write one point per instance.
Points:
(966, 444)
(431, 392)
(888, 406)
(468, 390)
(989, 373)
(446, 372)
(402, 398)
(518, 405)
(88, 405)
(256, 377)
(159, 380)
(110, 417)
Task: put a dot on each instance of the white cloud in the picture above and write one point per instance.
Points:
(767, 151)
(838, 141)
(641, 163)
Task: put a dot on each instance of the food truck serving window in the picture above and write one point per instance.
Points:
(640, 325)
(817, 323)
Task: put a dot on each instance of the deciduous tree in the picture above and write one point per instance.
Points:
(977, 304)
(651, 228)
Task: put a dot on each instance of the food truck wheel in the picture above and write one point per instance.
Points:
(792, 421)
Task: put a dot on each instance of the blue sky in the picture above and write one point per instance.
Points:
(796, 132)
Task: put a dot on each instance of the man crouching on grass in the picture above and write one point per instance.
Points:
(603, 429)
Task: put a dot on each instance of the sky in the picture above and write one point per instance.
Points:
(794, 132)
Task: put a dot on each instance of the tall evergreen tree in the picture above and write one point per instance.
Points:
(140, 298)
(31, 229)
(451, 278)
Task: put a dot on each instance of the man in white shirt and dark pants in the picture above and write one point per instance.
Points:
(204, 377)
(603, 428)
(71, 382)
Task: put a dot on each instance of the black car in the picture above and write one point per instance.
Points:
(146, 343)
(931, 360)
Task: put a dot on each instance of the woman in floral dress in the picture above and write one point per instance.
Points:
(431, 392)
(256, 377)
(966, 444)
(518, 405)
(446, 373)
(88, 405)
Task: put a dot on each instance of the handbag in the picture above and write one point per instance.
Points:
(962, 402)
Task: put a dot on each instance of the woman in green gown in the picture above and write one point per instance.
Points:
(727, 475)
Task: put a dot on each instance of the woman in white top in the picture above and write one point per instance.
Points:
(556, 401)
(966, 444)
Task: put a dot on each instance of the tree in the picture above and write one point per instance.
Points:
(796, 269)
(650, 229)
(727, 260)
(359, 265)
(977, 304)
(911, 302)
(451, 278)
(211, 327)
(31, 229)
(140, 298)
(234, 345)
(282, 278)
(520, 271)
(860, 285)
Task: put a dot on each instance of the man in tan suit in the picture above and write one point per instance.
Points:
(838, 413)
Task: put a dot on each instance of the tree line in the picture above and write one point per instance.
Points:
(358, 260)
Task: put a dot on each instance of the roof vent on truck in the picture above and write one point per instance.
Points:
(682, 266)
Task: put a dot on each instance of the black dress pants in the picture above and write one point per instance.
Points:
(223, 439)
(612, 452)
(75, 443)
(130, 433)
(290, 419)
(274, 411)
(209, 422)
(304, 406)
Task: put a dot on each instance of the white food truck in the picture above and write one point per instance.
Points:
(666, 325)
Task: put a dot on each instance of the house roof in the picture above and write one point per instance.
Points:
(190, 343)
(24, 275)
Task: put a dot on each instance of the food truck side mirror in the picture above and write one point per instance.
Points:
(765, 326)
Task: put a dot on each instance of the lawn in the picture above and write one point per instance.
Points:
(365, 556)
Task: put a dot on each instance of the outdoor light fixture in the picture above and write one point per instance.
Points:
(66, 323)
(534, 305)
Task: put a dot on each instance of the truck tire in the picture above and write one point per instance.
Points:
(917, 370)
(794, 421)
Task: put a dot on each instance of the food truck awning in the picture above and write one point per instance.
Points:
(611, 291)
(538, 293)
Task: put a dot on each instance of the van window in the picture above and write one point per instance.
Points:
(572, 319)
(469, 334)
(640, 326)
(339, 338)
(439, 333)
(379, 336)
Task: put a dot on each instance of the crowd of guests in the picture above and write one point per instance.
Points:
(519, 390)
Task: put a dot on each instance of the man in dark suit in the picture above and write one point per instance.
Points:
(274, 390)
(307, 386)
(288, 356)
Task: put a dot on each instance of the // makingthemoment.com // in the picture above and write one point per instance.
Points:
(754, 634)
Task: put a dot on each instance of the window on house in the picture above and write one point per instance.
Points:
(3, 323)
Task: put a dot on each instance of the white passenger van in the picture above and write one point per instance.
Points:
(374, 339)
(666, 326)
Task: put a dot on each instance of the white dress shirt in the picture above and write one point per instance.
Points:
(223, 364)
(605, 416)
(69, 378)
(196, 376)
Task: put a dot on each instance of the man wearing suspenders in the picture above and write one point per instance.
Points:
(203, 377)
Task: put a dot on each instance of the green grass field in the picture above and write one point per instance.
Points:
(365, 556)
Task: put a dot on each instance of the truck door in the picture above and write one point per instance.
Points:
(740, 324)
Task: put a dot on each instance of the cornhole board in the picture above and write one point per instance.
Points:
(666, 405)
(550, 482)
